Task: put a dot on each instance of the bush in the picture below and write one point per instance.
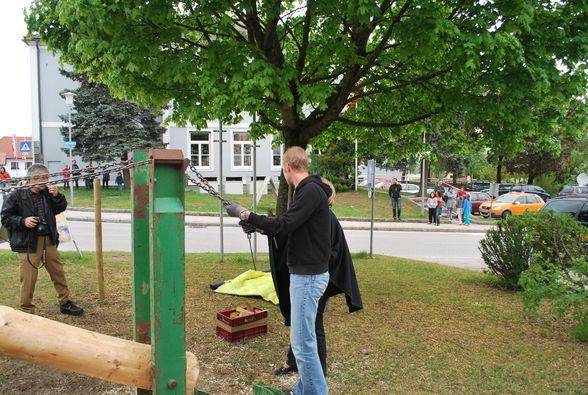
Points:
(506, 250)
(559, 269)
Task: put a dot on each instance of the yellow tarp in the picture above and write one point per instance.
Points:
(251, 283)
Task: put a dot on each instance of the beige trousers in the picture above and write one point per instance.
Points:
(28, 273)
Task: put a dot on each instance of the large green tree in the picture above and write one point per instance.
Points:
(298, 64)
(106, 128)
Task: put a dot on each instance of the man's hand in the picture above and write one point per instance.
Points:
(31, 222)
(247, 227)
(52, 189)
(235, 209)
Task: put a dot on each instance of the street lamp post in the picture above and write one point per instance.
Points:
(69, 103)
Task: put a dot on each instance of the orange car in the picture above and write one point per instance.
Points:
(514, 203)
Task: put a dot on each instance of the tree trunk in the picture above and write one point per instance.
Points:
(499, 169)
(284, 192)
(531, 178)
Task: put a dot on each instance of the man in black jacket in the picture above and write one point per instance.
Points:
(307, 225)
(394, 193)
(29, 217)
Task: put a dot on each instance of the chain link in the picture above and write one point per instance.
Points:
(89, 172)
(203, 183)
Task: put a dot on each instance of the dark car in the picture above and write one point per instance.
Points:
(528, 188)
(571, 190)
(477, 186)
(576, 206)
(502, 189)
(477, 199)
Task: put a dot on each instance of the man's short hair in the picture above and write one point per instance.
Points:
(35, 169)
(297, 158)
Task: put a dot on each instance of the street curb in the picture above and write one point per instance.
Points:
(376, 228)
(209, 214)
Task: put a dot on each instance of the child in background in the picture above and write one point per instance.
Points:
(467, 209)
(119, 181)
(432, 205)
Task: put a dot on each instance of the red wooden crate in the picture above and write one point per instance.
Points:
(235, 329)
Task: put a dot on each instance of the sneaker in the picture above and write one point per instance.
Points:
(70, 309)
(282, 370)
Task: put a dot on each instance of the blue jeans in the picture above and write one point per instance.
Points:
(396, 207)
(305, 292)
(438, 216)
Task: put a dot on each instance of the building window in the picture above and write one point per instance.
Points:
(242, 150)
(277, 154)
(13, 165)
(27, 165)
(200, 149)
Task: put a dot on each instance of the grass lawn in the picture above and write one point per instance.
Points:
(347, 204)
(426, 328)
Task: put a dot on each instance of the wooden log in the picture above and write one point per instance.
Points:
(45, 342)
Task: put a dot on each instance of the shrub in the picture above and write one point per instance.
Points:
(506, 250)
(559, 269)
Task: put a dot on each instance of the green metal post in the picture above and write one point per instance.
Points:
(140, 235)
(166, 223)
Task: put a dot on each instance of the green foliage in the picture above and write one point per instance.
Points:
(106, 128)
(412, 66)
(507, 250)
(336, 163)
(559, 266)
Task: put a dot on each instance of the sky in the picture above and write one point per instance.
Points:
(15, 69)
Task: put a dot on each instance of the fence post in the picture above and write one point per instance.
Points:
(166, 255)
(98, 236)
(140, 252)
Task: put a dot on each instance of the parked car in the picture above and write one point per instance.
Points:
(477, 199)
(502, 189)
(571, 190)
(410, 188)
(576, 206)
(528, 188)
(477, 186)
(513, 203)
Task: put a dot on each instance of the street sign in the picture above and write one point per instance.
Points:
(70, 143)
(25, 146)
(371, 172)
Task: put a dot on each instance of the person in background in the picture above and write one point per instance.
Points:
(459, 207)
(467, 209)
(119, 181)
(439, 187)
(66, 176)
(439, 210)
(451, 201)
(394, 193)
(105, 180)
(89, 180)
(74, 167)
(432, 205)
(29, 217)
(4, 180)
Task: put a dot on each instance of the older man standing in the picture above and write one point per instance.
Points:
(307, 223)
(29, 217)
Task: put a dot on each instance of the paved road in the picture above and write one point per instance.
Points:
(448, 248)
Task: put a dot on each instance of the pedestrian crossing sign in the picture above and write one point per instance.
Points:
(25, 146)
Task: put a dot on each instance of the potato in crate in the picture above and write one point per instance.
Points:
(241, 322)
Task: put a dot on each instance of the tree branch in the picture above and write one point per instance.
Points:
(385, 124)
(305, 40)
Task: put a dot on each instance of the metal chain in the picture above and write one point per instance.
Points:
(71, 171)
(107, 169)
(202, 183)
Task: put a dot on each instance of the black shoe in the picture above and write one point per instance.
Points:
(282, 370)
(70, 309)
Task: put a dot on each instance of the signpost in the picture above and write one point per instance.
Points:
(371, 185)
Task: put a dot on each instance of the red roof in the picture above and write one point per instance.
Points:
(7, 151)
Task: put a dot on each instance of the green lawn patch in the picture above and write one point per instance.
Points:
(426, 328)
(347, 204)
